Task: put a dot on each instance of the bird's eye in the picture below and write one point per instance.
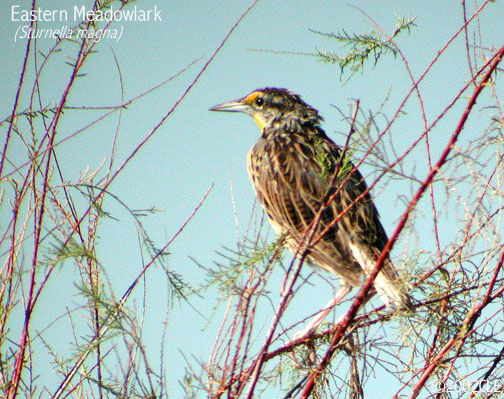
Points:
(259, 102)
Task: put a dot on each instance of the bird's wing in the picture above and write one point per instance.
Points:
(312, 175)
(366, 237)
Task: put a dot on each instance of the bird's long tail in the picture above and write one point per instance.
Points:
(392, 292)
(388, 283)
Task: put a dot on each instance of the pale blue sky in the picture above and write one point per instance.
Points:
(195, 148)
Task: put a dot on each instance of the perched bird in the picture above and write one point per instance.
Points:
(295, 170)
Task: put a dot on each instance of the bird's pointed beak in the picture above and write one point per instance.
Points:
(231, 106)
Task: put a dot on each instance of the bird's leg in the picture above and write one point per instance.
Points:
(310, 329)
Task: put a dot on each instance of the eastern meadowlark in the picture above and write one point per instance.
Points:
(295, 170)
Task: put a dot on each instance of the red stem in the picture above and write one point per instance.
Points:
(355, 306)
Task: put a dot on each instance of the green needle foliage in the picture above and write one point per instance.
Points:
(231, 272)
(363, 46)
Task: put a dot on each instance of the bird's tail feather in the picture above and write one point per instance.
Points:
(392, 292)
(388, 283)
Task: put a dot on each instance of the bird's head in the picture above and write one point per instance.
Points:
(269, 106)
